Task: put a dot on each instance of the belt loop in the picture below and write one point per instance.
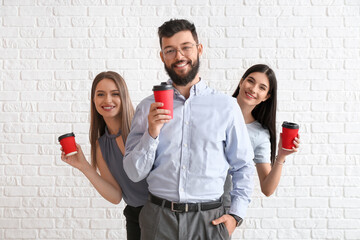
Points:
(199, 207)
(163, 204)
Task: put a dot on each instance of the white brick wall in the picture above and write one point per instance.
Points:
(51, 50)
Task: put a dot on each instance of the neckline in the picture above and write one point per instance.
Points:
(112, 135)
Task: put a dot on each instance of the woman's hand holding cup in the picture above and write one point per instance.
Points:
(77, 161)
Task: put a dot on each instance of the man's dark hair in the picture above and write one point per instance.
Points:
(173, 26)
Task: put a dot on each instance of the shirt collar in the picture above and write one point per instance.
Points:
(196, 89)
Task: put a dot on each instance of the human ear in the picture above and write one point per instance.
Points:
(200, 49)
(162, 56)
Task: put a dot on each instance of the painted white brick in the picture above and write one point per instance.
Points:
(20, 234)
(352, 234)
(9, 54)
(351, 192)
(124, 64)
(293, 21)
(20, 170)
(37, 223)
(310, 96)
(38, 202)
(54, 64)
(72, 224)
(57, 192)
(19, 22)
(352, 149)
(20, 213)
(327, 128)
(89, 234)
(294, 234)
(35, 11)
(69, 11)
(87, 21)
(36, 160)
(71, 75)
(87, 43)
(75, 202)
(310, 53)
(293, 213)
(14, 203)
(104, 224)
(326, 192)
(326, 42)
(54, 212)
(19, 64)
(143, 10)
(55, 234)
(343, 223)
(19, 43)
(85, 213)
(327, 107)
(310, 11)
(258, 43)
(20, 191)
(344, 138)
(292, 192)
(8, 11)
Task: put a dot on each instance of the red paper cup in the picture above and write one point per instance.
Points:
(289, 133)
(68, 144)
(165, 93)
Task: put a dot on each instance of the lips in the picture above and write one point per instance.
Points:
(180, 64)
(108, 108)
(249, 95)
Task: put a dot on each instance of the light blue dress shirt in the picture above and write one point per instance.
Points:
(189, 160)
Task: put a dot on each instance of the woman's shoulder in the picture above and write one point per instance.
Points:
(257, 131)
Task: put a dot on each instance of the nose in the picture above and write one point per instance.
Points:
(108, 98)
(179, 54)
(251, 89)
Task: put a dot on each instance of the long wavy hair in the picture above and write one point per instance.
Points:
(265, 112)
(97, 123)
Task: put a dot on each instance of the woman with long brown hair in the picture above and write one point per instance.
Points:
(111, 115)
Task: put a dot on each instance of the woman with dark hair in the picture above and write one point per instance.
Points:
(111, 115)
(256, 95)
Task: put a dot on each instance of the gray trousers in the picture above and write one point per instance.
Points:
(160, 223)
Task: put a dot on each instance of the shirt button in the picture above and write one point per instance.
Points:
(184, 167)
(187, 123)
(185, 145)
(181, 189)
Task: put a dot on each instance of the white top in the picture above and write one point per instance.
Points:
(260, 141)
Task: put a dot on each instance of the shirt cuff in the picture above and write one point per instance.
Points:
(238, 207)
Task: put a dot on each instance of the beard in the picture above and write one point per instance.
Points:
(183, 80)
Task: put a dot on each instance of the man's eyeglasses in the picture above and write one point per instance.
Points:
(185, 50)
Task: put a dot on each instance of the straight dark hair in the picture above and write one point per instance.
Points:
(97, 122)
(173, 26)
(265, 112)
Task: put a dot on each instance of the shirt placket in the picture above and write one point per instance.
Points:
(185, 151)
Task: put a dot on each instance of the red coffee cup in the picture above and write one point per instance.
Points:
(68, 144)
(164, 93)
(289, 133)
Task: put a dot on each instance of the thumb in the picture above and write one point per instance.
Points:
(78, 147)
(218, 221)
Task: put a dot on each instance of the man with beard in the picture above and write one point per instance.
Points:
(186, 159)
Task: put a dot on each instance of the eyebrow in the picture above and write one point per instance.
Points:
(181, 44)
(110, 91)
